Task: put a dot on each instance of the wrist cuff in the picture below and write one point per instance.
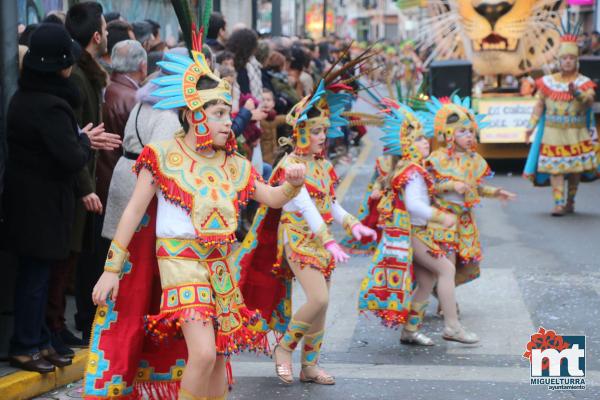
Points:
(290, 191)
(324, 235)
(115, 259)
(349, 222)
(437, 216)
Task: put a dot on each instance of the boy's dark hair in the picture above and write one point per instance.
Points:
(215, 24)
(155, 26)
(267, 90)
(52, 19)
(243, 44)
(299, 58)
(83, 20)
(117, 31)
(203, 84)
(224, 55)
(142, 31)
(112, 16)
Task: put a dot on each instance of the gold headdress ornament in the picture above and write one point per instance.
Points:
(329, 100)
(568, 39)
(180, 87)
(402, 129)
(446, 115)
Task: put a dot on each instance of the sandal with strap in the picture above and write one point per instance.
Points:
(459, 334)
(321, 378)
(415, 338)
(283, 370)
(558, 211)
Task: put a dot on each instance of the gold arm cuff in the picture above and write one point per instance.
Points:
(488, 191)
(323, 234)
(349, 222)
(115, 259)
(290, 191)
(444, 187)
(437, 216)
(533, 121)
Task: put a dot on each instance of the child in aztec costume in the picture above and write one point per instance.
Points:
(563, 146)
(406, 252)
(459, 174)
(301, 233)
(170, 310)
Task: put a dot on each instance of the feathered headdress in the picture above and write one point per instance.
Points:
(568, 38)
(330, 98)
(182, 87)
(402, 129)
(444, 116)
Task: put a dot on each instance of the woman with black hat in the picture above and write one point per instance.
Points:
(46, 150)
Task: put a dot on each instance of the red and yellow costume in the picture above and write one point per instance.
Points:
(301, 229)
(449, 166)
(563, 143)
(179, 263)
(387, 289)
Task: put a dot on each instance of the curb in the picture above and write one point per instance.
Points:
(25, 385)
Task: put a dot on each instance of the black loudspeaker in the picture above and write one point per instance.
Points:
(447, 77)
(590, 67)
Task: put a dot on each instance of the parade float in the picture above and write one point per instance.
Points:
(509, 44)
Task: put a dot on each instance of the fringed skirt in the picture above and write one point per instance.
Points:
(303, 247)
(386, 290)
(198, 285)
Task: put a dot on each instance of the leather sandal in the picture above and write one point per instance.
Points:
(558, 211)
(415, 338)
(570, 207)
(460, 335)
(321, 378)
(283, 370)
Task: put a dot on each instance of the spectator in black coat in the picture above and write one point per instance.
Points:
(45, 152)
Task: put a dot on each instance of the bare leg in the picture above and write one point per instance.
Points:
(558, 193)
(572, 185)
(425, 282)
(311, 350)
(200, 340)
(316, 289)
(218, 379)
(444, 270)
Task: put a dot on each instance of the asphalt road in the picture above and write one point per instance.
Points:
(537, 271)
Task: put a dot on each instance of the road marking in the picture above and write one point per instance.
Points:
(343, 187)
(492, 306)
(452, 373)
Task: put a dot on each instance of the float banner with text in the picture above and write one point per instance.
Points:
(506, 118)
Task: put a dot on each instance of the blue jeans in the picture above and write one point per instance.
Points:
(31, 334)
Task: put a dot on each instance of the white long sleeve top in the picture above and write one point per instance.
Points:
(416, 198)
(303, 204)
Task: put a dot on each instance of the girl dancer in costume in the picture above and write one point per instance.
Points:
(301, 231)
(459, 173)
(200, 184)
(563, 145)
(387, 289)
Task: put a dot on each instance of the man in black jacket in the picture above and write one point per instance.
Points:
(46, 151)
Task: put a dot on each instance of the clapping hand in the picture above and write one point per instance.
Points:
(100, 139)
